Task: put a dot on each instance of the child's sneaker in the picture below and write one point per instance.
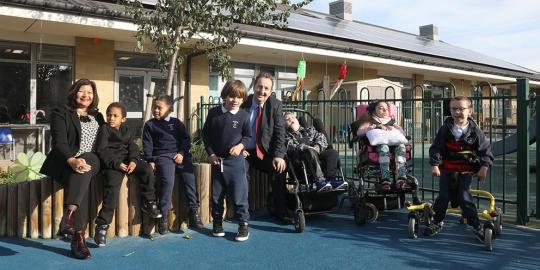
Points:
(433, 229)
(217, 229)
(100, 235)
(243, 233)
(323, 186)
(479, 234)
(338, 184)
(151, 209)
(195, 219)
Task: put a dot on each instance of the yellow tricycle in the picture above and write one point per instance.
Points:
(423, 214)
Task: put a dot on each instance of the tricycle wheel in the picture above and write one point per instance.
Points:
(489, 240)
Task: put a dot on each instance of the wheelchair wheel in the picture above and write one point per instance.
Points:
(299, 221)
(489, 240)
(498, 222)
(414, 226)
(372, 213)
(360, 213)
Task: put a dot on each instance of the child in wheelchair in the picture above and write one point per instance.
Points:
(383, 133)
(306, 146)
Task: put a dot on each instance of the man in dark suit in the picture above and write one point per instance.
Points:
(266, 150)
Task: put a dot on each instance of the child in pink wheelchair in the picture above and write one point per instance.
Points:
(383, 132)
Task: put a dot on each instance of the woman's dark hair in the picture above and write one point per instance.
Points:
(118, 105)
(72, 94)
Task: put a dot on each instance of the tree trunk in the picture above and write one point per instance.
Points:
(172, 62)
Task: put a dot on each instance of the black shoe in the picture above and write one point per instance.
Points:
(195, 220)
(151, 209)
(479, 234)
(100, 235)
(217, 229)
(163, 225)
(433, 229)
(243, 233)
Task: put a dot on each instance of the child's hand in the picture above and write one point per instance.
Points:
(435, 171)
(178, 158)
(123, 167)
(236, 150)
(214, 160)
(131, 167)
(152, 165)
(482, 173)
(245, 153)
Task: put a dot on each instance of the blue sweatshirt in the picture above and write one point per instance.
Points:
(165, 137)
(223, 130)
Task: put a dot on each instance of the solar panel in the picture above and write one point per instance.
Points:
(328, 25)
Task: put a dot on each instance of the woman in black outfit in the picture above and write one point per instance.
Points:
(73, 161)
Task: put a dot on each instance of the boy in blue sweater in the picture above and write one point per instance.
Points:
(166, 146)
(225, 134)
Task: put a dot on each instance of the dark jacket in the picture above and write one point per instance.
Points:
(272, 127)
(473, 136)
(116, 146)
(66, 140)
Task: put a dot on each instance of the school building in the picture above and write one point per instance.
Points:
(46, 45)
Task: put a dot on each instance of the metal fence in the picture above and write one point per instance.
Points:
(421, 118)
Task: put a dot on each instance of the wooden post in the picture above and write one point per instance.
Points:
(174, 213)
(202, 175)
(35, 191)
(12, 210)
(122, 212)
(57, 203)
(22, 209)
(134, 215)
(3, 209)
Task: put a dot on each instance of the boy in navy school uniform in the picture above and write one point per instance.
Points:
(225, 134)
(166, 146)
(459, 151)
(120, 156)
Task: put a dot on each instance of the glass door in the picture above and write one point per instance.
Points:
(131, 88)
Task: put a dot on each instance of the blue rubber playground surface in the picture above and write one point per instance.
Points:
(330, 241)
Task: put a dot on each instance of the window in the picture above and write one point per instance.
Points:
(54, 77)
(50, 66)
(284, 78)
(504, 106)
(15, 90)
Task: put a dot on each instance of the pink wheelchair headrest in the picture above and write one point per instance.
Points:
(362, 108)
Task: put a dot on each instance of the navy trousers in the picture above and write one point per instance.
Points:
(166, 172)
(462, 184)
(230, 178)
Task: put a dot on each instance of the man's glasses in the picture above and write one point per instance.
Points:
(458, 110)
